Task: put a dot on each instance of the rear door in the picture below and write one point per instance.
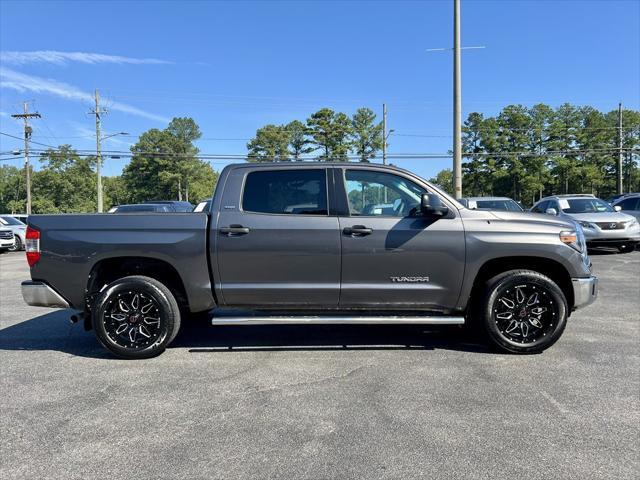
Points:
(276, 245)
(391, 257)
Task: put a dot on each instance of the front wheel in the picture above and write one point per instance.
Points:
(523, 312)
(17, 244)
(136, 317)
(626, 247)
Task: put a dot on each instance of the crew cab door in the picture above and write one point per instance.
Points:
(275, 243)
(391, 257)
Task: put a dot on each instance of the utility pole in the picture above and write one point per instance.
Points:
(384, 133)
(457, 110)
(97, 111)
(619, 182)
(27, 135)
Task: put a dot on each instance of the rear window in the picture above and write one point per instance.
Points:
(286, 192)
(10, 221)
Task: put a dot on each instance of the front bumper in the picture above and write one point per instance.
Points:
(585, 291)
(39, 294)
(598, 236)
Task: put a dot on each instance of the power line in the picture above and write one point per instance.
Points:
(30, 141)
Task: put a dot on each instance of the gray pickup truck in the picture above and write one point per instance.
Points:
(303, 243)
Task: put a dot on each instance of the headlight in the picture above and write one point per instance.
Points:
(632, 223)
(573, 238)
(586, 224)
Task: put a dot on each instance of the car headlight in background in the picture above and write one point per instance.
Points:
(632, 223)
(586, 224)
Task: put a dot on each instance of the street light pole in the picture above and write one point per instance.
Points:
(457, 110)
(384, 133)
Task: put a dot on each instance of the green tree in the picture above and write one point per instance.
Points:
(65, 183)
(12, 190)
(330, 133)
(271, 144)
(165, 165)
(444, 180)
(366, 134)
(298, 139)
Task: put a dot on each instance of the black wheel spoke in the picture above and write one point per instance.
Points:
(132, 320)
(524, 313)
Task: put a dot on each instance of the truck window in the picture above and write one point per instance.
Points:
(286, 192)
(375, 193)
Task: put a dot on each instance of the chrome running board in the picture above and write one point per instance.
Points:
(337, 320)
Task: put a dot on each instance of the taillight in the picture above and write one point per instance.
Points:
(32, 246)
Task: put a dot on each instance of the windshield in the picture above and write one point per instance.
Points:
(508, 205)
(10, 221)
(585, 205)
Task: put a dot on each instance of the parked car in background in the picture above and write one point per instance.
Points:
(203, 206)
(7, 239)
(612, 199)
(23, 217)
(491, 203)
(18, 228)
(629, 204)
(603, 225)
(142, 208)
(174, 205)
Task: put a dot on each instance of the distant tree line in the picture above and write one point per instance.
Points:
(526, 153)
(326, 134)
(522, 152)
(164, 166)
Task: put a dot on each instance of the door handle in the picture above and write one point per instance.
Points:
(357, 230)
(234, 230)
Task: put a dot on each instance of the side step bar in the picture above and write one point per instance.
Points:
(337, 320)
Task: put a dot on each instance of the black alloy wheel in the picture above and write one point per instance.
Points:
(136, 317)
(524, 311)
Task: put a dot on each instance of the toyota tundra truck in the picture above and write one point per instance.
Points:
(313, 243)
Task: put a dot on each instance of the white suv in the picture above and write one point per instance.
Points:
(603, 225)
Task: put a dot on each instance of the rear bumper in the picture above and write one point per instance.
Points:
(39, 294)
(585, 291)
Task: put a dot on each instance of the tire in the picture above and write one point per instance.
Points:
(626, 247)
(523, 311)
(17, 245)
(136, 317)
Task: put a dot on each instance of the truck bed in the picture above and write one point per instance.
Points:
(72, 245)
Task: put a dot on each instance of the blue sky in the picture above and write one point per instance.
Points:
(235, 66)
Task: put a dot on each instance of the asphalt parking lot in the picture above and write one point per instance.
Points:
(322, 402)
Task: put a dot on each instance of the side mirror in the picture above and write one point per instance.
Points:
(551, 211)
(617, 208)
(431, 206)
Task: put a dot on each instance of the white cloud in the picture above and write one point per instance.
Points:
(62, 58)
(28, 83)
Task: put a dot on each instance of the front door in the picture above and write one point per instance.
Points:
(276, 245)
(393, 258)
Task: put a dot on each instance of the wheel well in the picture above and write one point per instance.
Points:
(552, 269)
(106, 271)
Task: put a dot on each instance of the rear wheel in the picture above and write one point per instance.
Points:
(17, 244)
(523, 312)
(136, 317)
